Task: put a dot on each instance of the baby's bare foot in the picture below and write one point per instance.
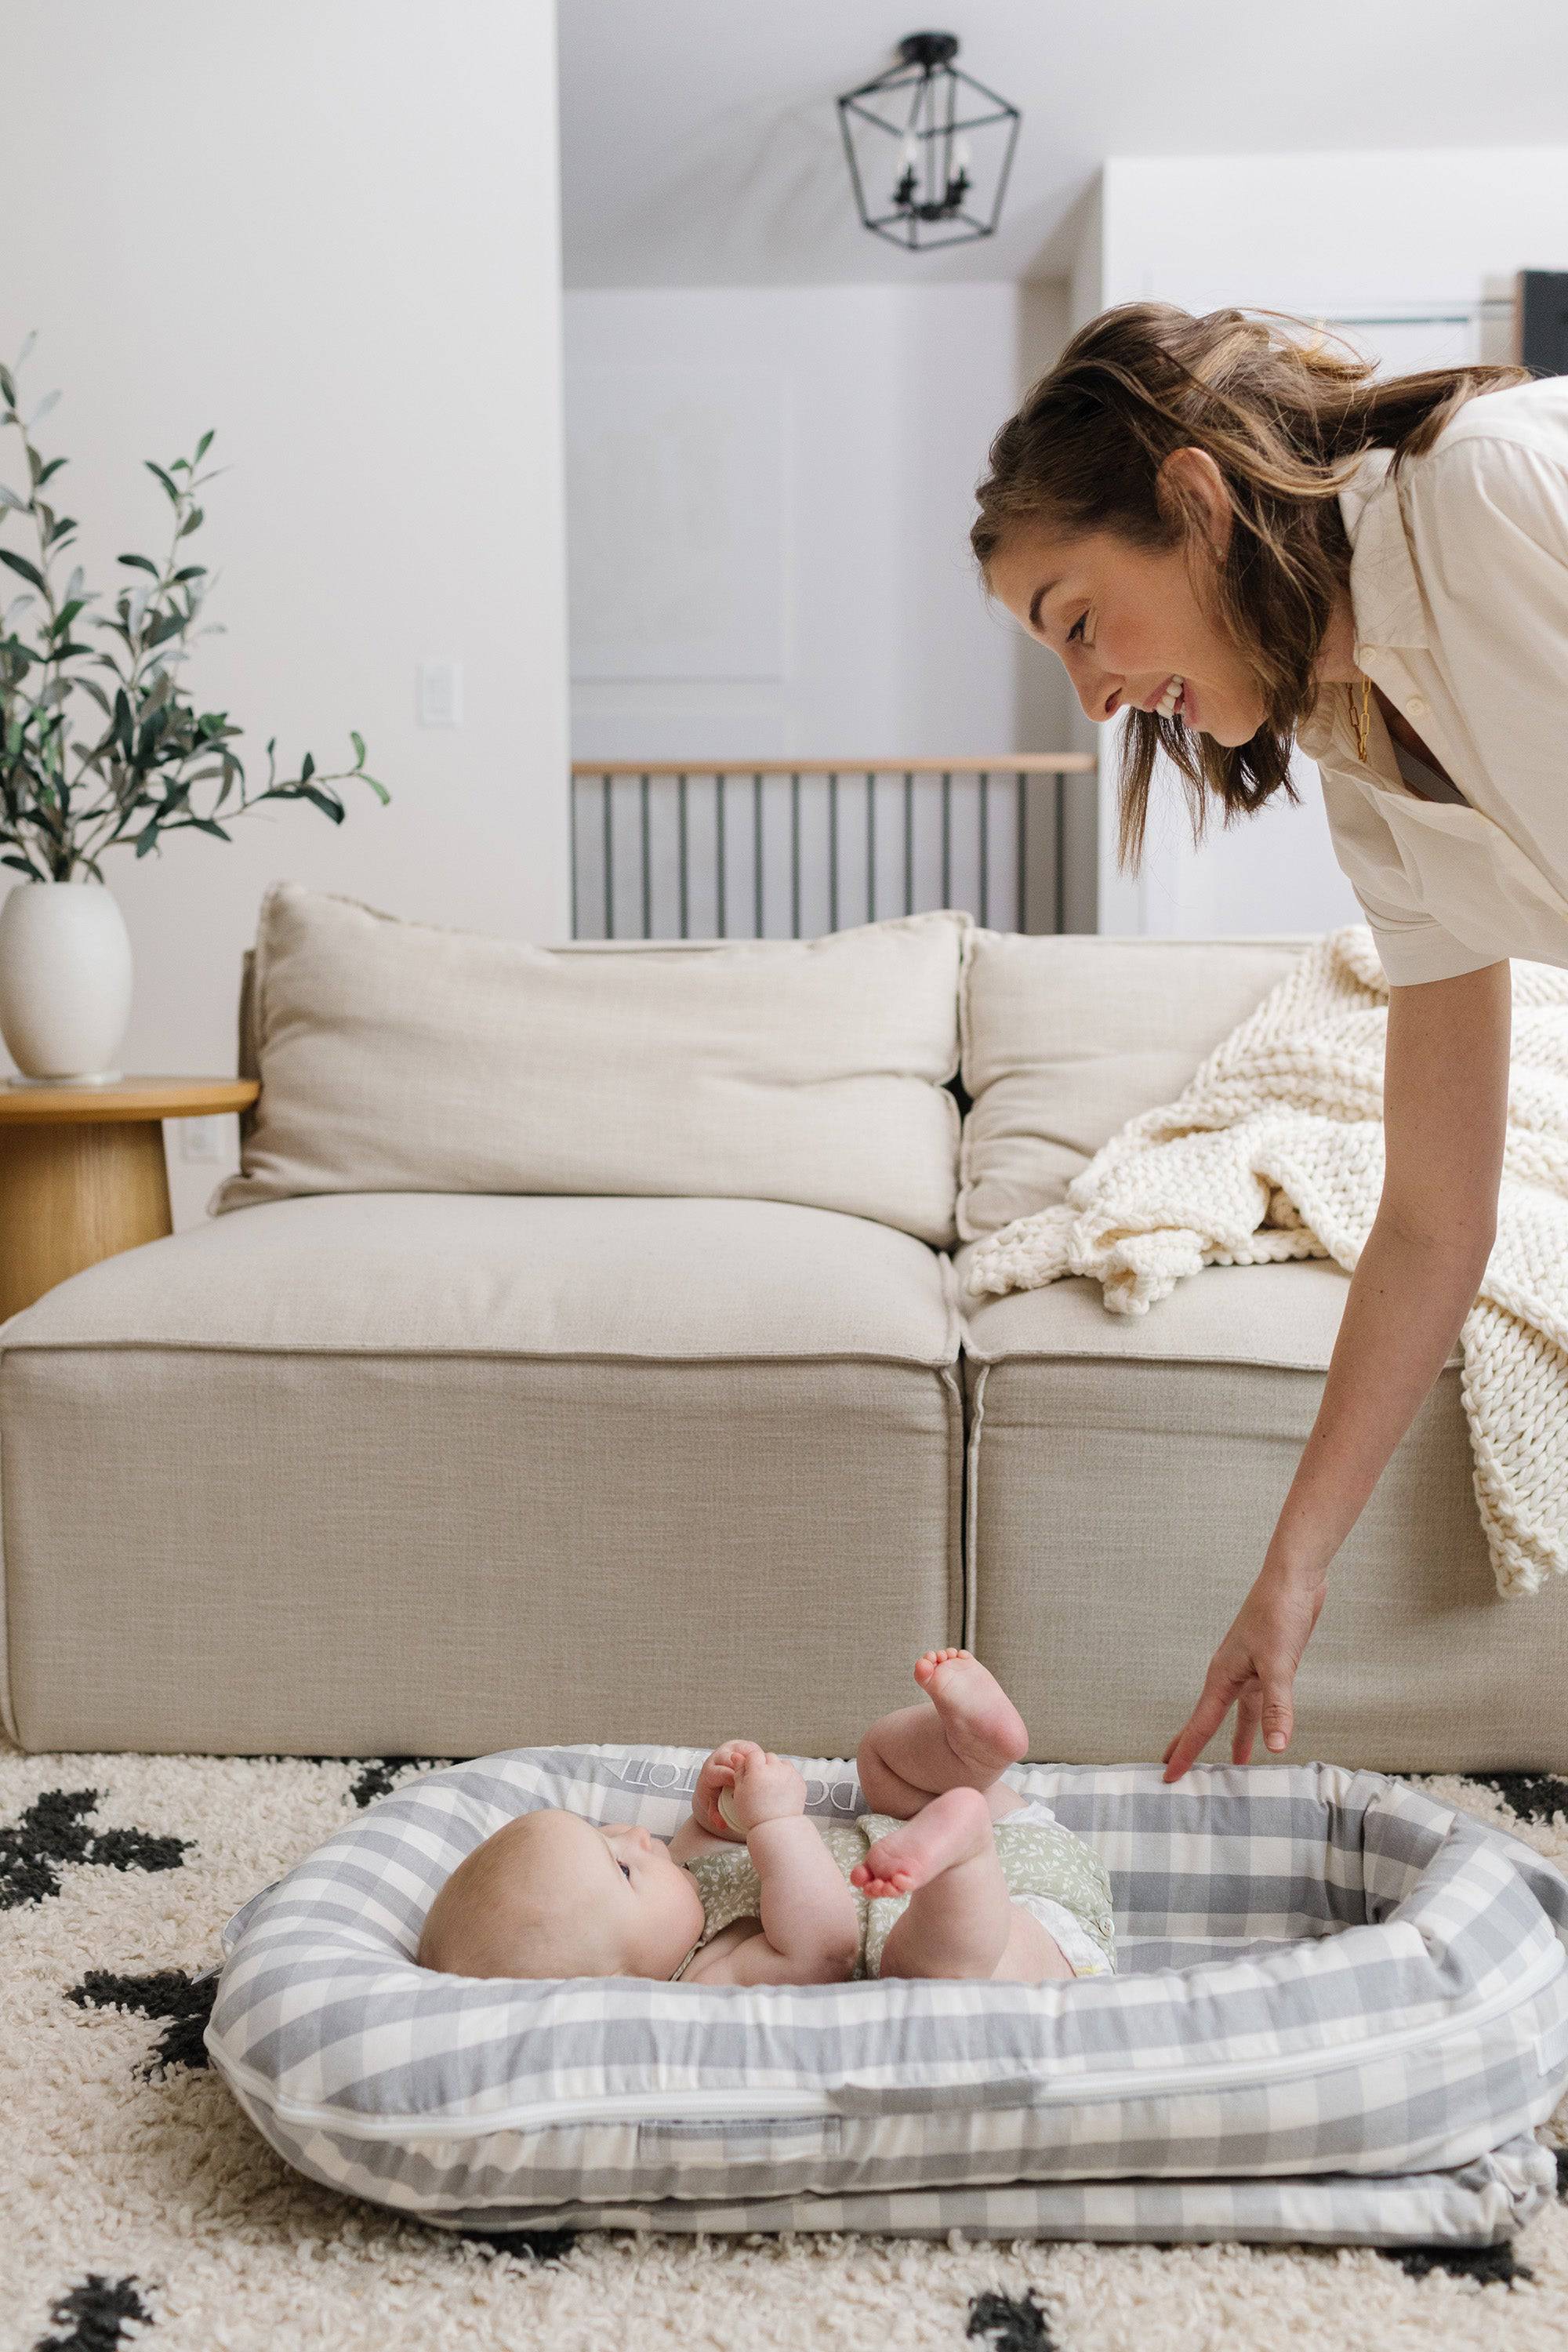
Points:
(985, 1729)
(953, 1827)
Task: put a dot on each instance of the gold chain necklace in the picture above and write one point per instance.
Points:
(1362, 719)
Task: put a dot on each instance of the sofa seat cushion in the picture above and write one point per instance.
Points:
(413, 1475)
(1125, 1473)
(416, 1273)
(1287, 1315)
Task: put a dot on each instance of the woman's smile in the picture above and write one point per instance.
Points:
(1167, 698)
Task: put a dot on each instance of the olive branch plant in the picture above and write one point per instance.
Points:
(156, 765)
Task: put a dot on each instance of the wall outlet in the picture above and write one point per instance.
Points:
(201, 1138)
(440, 694)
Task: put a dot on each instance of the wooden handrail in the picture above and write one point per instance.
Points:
(999, 763)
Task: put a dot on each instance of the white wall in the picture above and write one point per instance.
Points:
(1319, 231)
(887, 398)
(1359, 236)
(769, 499)
(1049, 716)
(329, 229)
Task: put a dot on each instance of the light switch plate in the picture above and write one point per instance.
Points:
(201, 1138)
(440, 694)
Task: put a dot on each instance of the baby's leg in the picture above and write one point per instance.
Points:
(960, 1921)
(965, 1738)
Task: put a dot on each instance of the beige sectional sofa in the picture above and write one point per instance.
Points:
(583, 1353)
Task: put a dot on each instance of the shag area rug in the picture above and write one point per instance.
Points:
(137, 2206)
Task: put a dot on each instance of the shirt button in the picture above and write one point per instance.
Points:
(1416, 706)
(1362, 652)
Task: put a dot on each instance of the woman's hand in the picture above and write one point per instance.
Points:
(1254, 1669)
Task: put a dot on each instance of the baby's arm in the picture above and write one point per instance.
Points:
(810, 1932)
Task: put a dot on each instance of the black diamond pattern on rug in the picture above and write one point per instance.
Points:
(1488, 2265)
(1533, 1796)
(180, 2002)
(1010, 2326)
(98, 2311)
(528, 2245)
(377, 1774)
(55, 1832)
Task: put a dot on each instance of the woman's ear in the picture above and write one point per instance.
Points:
(1190, 490)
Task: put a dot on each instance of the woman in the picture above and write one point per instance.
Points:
(1232, 534)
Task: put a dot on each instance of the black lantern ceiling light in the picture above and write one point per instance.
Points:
(908, 132)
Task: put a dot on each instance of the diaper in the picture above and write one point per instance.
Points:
(1050, 1874)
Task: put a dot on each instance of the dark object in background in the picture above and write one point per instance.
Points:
(1543, 321)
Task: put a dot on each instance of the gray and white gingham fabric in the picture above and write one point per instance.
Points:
(1342, 2008)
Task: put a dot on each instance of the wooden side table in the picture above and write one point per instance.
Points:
(82, 1173)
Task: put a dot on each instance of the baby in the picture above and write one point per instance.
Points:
(952, 1873)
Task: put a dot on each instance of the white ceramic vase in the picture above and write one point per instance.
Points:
(65, 981)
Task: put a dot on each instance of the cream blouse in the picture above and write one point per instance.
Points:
(1459, 589)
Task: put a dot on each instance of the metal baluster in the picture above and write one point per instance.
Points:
(609, 865)
(1059, 783)
(832, 853)
(909, 842)
(794, 856)
(646, 862)
(870, 845)
(680, 818)
(571, 787)
(984, 846)
(719, 824)
(757, 857)
(1022, 886)
(946, 836)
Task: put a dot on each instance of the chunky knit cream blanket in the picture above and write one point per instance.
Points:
(1275, 1150)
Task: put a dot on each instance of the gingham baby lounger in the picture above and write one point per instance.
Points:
(1340, 2011)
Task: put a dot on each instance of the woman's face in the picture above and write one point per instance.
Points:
(1127, 623)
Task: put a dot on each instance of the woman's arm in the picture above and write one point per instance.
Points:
(1444, 1113)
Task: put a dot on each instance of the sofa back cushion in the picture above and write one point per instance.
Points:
(396, 1057)
(1063, 1040)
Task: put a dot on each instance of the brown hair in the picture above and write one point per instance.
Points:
(1286, 418)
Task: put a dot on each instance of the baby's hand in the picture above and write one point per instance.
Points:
(718, 1773)
(765, 1786)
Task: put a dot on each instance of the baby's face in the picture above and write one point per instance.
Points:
(553, 1894)
(649, 1909)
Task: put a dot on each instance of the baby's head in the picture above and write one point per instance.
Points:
(553, 1894)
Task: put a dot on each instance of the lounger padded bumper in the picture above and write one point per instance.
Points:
(1343, 2008)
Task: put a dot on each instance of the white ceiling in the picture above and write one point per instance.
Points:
(700, 143)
